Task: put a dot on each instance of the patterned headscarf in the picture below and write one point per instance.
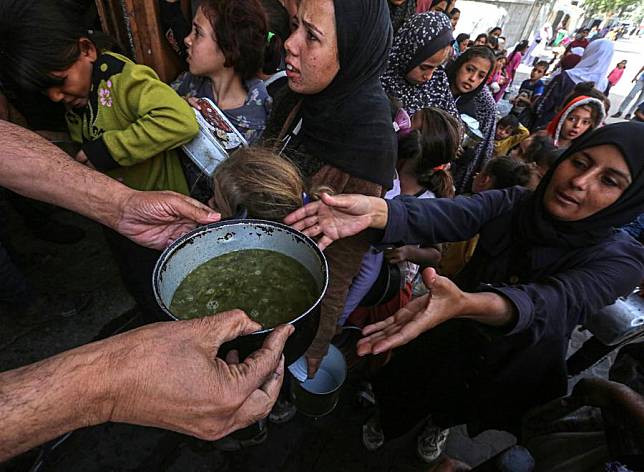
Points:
(400, 14)
(418, 39)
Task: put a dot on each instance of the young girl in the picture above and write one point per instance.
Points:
(423, 157)
(615, 75)
(226, 51)
(579, 116)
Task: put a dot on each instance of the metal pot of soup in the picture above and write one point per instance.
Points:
(274, 273)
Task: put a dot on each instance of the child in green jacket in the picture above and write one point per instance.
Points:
(128, 121)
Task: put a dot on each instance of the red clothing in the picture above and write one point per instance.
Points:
(615, 75)
(578, 43)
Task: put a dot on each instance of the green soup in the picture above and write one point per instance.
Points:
(270, 287)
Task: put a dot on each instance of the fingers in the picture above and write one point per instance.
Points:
(324, 242)
(193, 210)
(260, 402)
(429, 276)
(232, 357)
(294, 219)
(260, 364)
(223, 327)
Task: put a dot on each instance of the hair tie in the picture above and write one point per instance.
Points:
(270, 36)
(305, 198)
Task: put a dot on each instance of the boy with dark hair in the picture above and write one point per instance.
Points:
(529, 91)
(509, 133)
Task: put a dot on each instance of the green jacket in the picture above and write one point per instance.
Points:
(131, 125)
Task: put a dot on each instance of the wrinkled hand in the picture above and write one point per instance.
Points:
(396, 255)
(418, 316)
(156, 219)
(168, 376)
(332, 218)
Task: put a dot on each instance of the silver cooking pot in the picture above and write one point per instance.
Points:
(216, 239)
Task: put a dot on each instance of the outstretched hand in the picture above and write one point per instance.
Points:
(333, 217)
(421, 314)
(156, 219)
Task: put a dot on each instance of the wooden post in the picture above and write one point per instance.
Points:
(136, 25)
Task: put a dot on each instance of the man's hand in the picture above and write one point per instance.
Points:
(156, 219)
(167, 375)
(338, 217)
(444, 301)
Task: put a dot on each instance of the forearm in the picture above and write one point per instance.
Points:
(424, 256)
(33, 167)
(379, 213)
(487, 308)
(45, 400)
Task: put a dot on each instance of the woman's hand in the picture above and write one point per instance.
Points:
(444, 301)
(338, 217)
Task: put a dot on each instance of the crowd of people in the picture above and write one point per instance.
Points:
(379, 114)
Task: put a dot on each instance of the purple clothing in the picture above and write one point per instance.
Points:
(510, 71)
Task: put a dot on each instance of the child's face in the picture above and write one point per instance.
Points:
(74, 91)
(481, 182)
(537, 73)
(205, 59)
(577, 123)
(503, 132)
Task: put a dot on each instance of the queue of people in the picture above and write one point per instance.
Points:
(379, 114)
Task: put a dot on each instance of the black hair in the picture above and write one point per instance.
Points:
(492, 42)
(279, 26)
(437, 143)
(522, 46)
(541, 151)
(462, 37)
(482, 35)
(453, 12)
(509, 121)
(483, 52)
(544, 64)
(500, 30)
(45, 40)
(506, 172)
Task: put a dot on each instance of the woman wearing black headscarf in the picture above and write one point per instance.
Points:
(338, 127)
(415, 76)
(400, 11)
(467, 77)
(491, 346)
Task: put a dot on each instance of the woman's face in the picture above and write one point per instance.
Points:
(454, 20)
(205, 59)
(312, 60)
(471, 74)
(463, 45)
(440, 6)
(423, 72)
(577, 123)
(74, 91)
(586, 183)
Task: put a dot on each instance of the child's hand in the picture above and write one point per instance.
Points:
(82, 158)
(193, 102)
(397, 255)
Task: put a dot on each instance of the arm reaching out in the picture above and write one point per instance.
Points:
(341, 216)
(140, 377)
(33, 167)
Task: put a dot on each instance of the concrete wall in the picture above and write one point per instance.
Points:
(518, 18)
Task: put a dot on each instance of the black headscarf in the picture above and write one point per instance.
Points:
(534, 225)
(400, 14)
(349, 124)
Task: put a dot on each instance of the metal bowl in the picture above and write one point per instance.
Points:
(207, 242)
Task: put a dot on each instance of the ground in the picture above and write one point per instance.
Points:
(328, 444)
